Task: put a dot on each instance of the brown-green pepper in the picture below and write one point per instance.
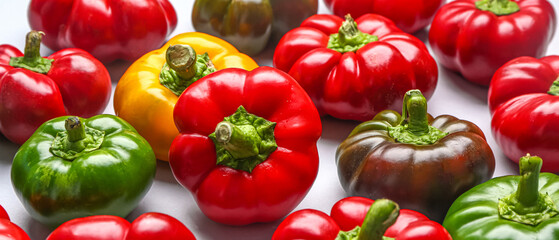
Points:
(248, 24)
(422, 163)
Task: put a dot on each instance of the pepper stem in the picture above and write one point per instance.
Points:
(382, 214)
(239, 143)
(183, 67)
(32, 59)
(527, 192)
(32, 49)
(498, 7)
(554, 89)
(348, 31)
(243, 140)
(414, 125)
(415, 109)
(75, 129)
(182, 59)
(527, 205)
(349, 38)
(77, 140)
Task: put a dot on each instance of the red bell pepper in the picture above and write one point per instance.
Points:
(524, 101)
(108, 29)
(476, 37)
(408, 15)
(104, 227)
(34, 89)
(353, 216)
(353, 70)
(3, 213)
(8, 230)
(262, 158)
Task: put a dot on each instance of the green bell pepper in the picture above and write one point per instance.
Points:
(508, 208)
(73, 167)
(249, 24)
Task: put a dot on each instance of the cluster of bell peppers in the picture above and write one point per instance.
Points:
(147, 93)
(248, 126)
(101, 165)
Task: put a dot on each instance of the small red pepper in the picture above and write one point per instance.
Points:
(8, 230)
(476, 37)
(408, 15)
(363, 217)
(355, 69)
(108, 29)
(524, 101)
(247, 144)
(104, 227)
(34, 89)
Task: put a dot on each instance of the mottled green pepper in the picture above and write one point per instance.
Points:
(73, 167)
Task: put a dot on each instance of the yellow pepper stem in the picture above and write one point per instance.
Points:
(182, 59)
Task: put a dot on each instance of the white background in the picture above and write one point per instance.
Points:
(453, 95)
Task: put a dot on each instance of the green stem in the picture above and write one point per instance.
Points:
(32, 59)
(33, 45)
(527, 192)
(183, 67)
(243, 140)
(239, 143)
(554, 89)
(382, 214)
(75, 129)
(414, 125)
(527, 205)
(498, 7)
(182, 59)
(77, 140)
(414, 112)
(349, 38)
(348, 31)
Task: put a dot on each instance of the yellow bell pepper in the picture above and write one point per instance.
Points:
(142, 99)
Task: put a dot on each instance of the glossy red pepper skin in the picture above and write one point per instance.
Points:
(525, 116)
(351, 85)
(348, 213)
(104, 227)
(158, 226)
(3, 213)
(408, 15)
(99, 227)
(276, 185)
(8, 230)
(476, 43)
(76, 84)
(108, 29)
